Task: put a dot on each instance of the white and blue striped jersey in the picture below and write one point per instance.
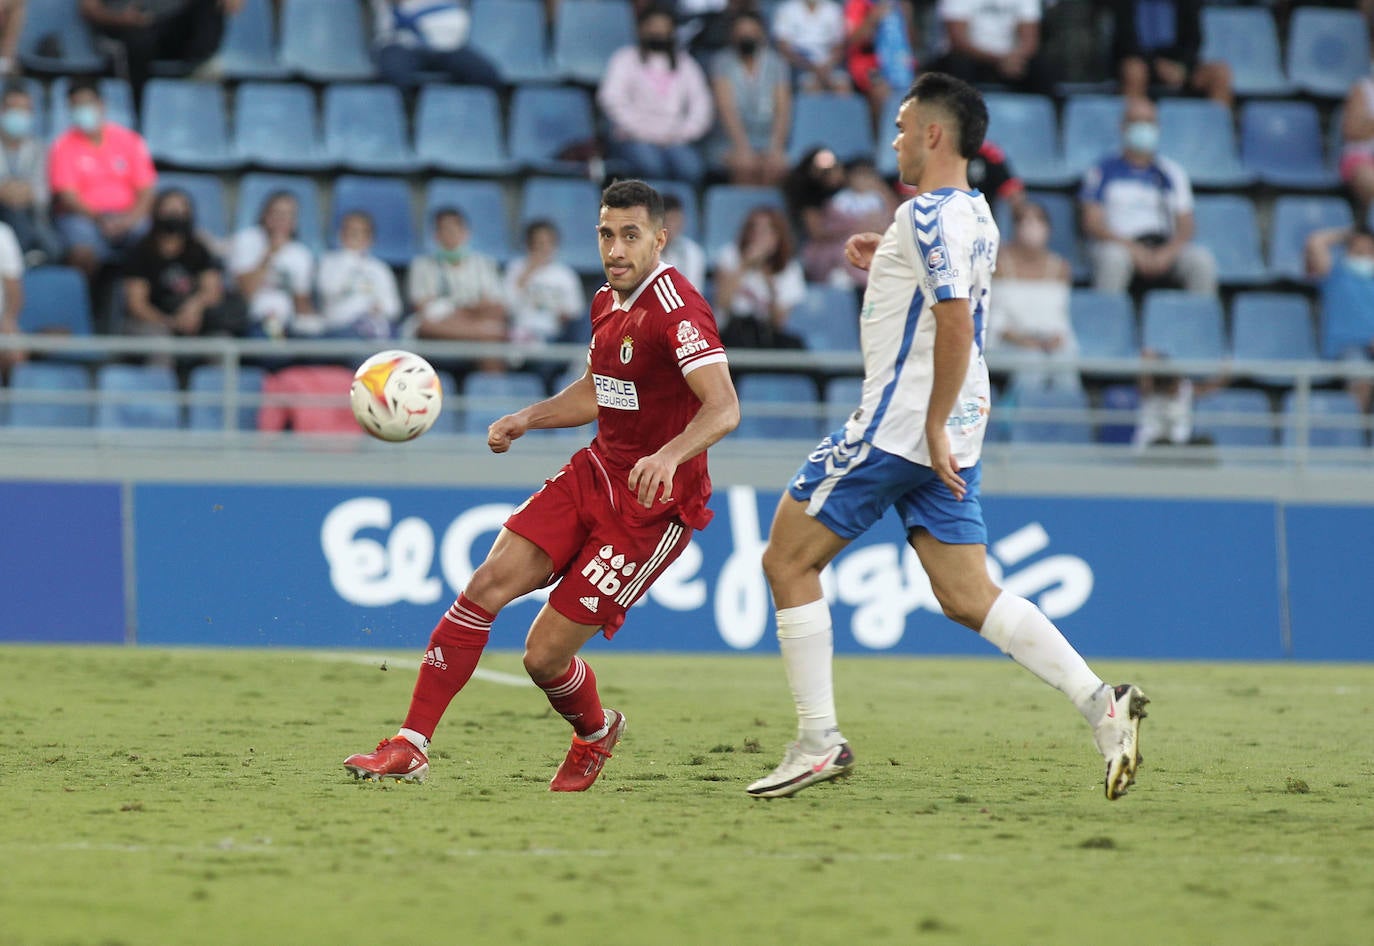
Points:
(941, 245)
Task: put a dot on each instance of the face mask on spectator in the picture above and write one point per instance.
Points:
(86, 117)
(172, 225)
(1142, 137)
(747, 47)
(657, 44)
(1361, 266)
(454, 255)
(16, 122)
(1033, 232)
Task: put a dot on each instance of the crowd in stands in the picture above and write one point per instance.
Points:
(772, 116)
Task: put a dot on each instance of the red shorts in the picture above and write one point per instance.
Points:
(603, 559)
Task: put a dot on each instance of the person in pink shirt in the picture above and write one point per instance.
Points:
(102, 181)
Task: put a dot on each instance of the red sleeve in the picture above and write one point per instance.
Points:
(693, 337)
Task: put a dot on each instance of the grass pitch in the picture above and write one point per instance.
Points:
(197, 797)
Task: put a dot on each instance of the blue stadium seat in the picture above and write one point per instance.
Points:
(778, 407)
(1327, 50)
(544, 120)
(842, 397)
(1272, 326)
(1092, 131)
(1227, 225)
(686, 193)
(1183, 325)
(249, 47)
(387, 199)
(1025, 127)
(1209, 418)
(493, 394)
(142, 397)
(1053, 428)
(1103, 323)
(511, 34)
(1333, 417)
(1121, 429)
(1282, 143)
(725, 208)
(484, 204)
(55, 300)
(324, 40)
(458, 128)
(828, 319)
(1294, 219)
(586, 33)
(60, 19)
(275, 127)
(1246, 40)
(255, 188)
(118, 98)
(839, 122)
(208, 381)
(573, 206)
(365, 129)
(1198, 134)
(207, 196)
(884, 158)
(1063, 216)
(36, 386)
(185, 124)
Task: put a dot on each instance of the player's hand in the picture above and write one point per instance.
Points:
(937, 441)
(859, 249)
(505, 430)
(649, 476)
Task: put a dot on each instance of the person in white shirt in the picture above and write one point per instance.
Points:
(681, 251)
(810, 36)
(358, 291)
(415, 36)
(11, 294)
(544, 293)
(994, 41)
(759, 281)
(1032, 318)
(456, 292)
(274, 271)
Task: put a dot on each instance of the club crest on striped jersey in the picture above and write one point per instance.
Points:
(627, 349)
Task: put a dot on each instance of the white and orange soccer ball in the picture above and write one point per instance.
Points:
(396, 395)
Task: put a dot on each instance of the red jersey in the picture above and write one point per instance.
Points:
(641, 353)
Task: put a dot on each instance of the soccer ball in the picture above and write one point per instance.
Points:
(396, 395)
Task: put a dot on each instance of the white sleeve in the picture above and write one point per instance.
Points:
(300, 267)
(941, 228)
(1181, 194)
(388, 296)
(790, 285)
(245, 251)
(11, 257)
(576, 302)
(1029, 12)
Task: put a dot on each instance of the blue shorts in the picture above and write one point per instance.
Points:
(848, 486)
(80, 230)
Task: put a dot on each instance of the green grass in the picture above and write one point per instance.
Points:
(196, 797)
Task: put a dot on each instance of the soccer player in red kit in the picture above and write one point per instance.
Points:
(607, 524)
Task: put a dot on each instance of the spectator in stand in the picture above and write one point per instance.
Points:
(879, 38)
(1155, 45)
(1357, 148)
(11, 26)
(753, 97)
(455, 292)
(658, 103)
(1031, 287)
(1166, 406)
(11, 296)
(172, 282)
(183, 31)
(681, 251)
(1138, 214)
(994, 42)
(358, 294)
(102, 177)
(810, 35)
(816, 178)
(1343, 261)
(991, 173)
(865, 204)
(758, 283)
(24, 177)
(545, 294)
(274, 271)
(414, 36)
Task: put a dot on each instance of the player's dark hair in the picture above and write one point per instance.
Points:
(961, 101)
(625, 195)
(83, 84)
(448, 211)
(540, 223)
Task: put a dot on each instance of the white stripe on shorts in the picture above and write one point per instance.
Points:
(833, 477)
(665, 546)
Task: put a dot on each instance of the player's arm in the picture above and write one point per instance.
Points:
(953, 342)
(718, 415)
(573, 406)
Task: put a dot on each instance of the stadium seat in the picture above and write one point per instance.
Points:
(778, 407)
(1092, 131)
(1227, 225)
(55, 300)
(458, 128)
(511, 34)
(1247, 41)
(726, 206)
(484, 204)
(249, 47)
(573, 206)
(324, 40)
(186, 126)
(545, 120)
(839, 122)
(586, 33)
(207, 197)
(255, 188)
(118, 98)
(1103, 323)
(1183, 325)
(686, 193)
(884, 158)
(76, 45)
(387, 199)
(842, 397)
(275, 127)
(1272, 326)
(1327, 50)
(365, 129)
(491, 394)
(1210, 418)
(1294, 218)
(1333, 420)
(45, 394)
(1282, 143)
(208, 382)
(1063, 216)
(1057, 428)
(1025, 127)
(142, 397)
(1119, 429)
(1198, 134)
(827, 319)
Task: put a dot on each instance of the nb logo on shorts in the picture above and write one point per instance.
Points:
(606, 571)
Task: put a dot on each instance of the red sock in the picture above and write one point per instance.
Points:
(574, 696)
(454, 649)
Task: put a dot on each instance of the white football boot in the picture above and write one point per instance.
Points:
(1117, 735)
(799, 769)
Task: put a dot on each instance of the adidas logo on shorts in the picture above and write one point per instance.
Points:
(591, 603)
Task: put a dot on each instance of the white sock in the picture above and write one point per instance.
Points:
(605, 727)
(415, 739)
(1021, 631)
(804, 636)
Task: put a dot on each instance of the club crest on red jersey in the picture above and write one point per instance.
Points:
(627, 349)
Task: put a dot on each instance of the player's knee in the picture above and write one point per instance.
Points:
(779, 567)
(543, 664)
(966, 606)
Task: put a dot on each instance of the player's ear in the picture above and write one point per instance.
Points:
(661, 238)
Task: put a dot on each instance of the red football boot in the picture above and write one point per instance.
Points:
(394, 758)
(586, 759)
